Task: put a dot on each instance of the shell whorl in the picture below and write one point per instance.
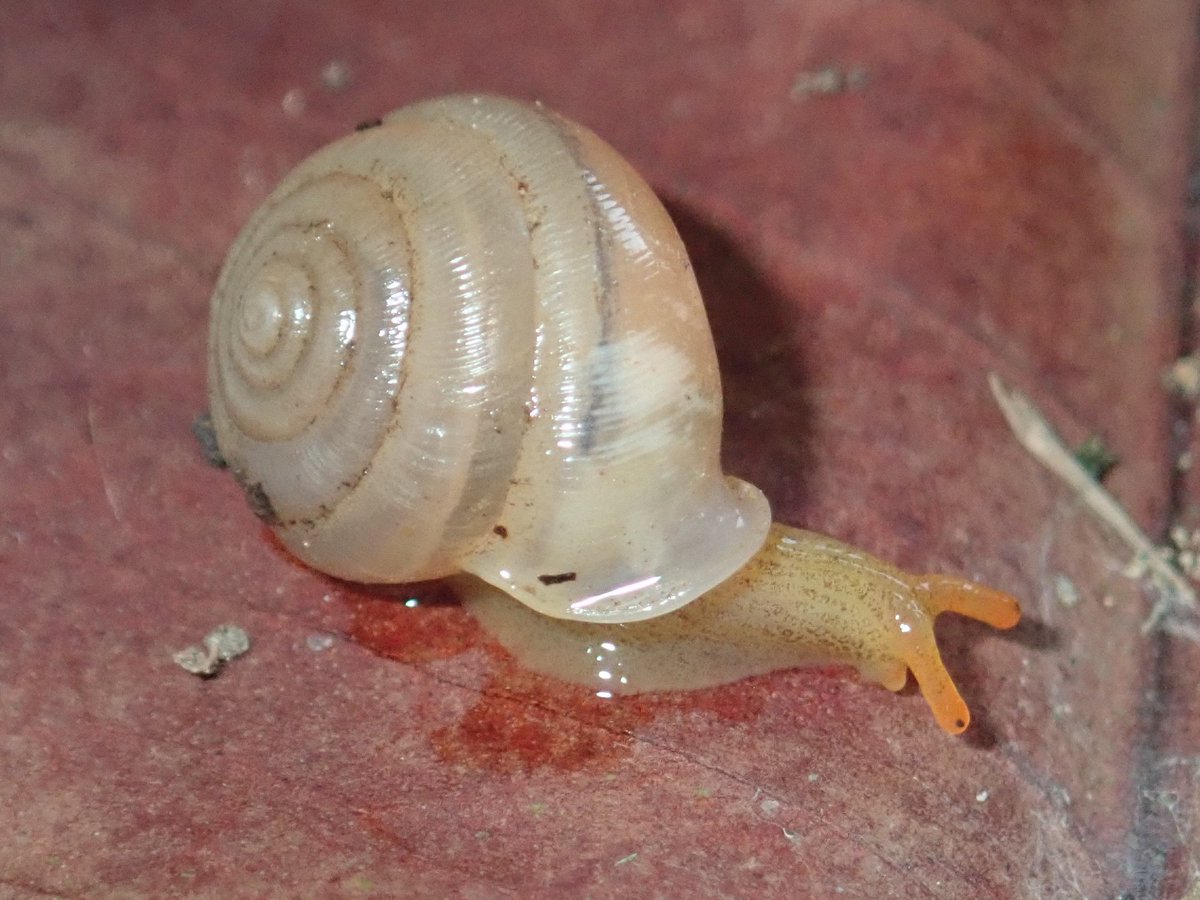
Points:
(470, 339)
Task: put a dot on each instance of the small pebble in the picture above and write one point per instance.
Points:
(223, 643)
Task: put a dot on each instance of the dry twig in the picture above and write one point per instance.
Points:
(1175, 594)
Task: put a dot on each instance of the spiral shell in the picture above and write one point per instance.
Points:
(470, 339)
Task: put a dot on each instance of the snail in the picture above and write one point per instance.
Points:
(467, 341)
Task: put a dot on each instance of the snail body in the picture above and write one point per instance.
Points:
(802, 599)
(469, 340)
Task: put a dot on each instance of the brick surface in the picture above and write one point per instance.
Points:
(995, 189)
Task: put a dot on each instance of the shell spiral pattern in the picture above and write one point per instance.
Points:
(469, 339)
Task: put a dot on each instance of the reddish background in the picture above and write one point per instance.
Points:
(1005, 188)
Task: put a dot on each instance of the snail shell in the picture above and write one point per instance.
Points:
(469, 339)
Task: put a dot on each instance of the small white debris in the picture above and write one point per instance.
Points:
(626, 859)
(769, 807)
(319, 642)
(223, 643)
(981, 797)
(1065, 590)
(250, 167)
(1136, 568)
(197, 661)
(1183, 378)
(231, 641)
(1189, 561)
(294, 103)
(335, 75)
(1185, 549)
(829, 80)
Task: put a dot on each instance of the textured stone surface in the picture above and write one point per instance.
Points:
(993, 188)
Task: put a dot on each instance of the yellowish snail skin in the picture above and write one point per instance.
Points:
(804, 598)
(469, 340)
